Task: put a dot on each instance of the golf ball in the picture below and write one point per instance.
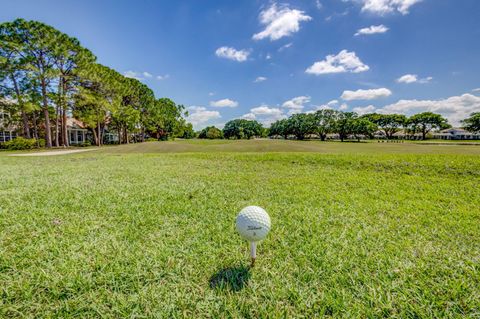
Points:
(253, 223)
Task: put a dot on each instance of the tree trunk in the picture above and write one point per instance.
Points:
(48, 133)
(99, 133)
(126, 136)
(66, 142)
(95, 137)
(57, 126)
(26, 128)
(35, 128)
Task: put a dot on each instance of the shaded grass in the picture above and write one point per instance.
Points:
(119, 234)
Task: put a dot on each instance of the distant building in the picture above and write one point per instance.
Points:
(7, 131)
(456, 134)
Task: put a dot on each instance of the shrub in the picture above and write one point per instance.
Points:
(20, 143)
(151, 139)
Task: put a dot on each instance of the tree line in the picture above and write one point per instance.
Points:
(47, 76)
(350, 124)
(344, 124)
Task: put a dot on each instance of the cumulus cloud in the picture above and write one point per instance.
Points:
(364, 110)
(455, 108)
(265, 114)
(343, 107)
(224, 103)
(476, 90)
(344, 61)
(198, 115)
(413, 78)
(132, 75)
(382, 7)
(296, 104)
(232, 54)
(328, 105)
(248, 116)
(374, 29)
(280, 21)
(366, 94)
(260, 79)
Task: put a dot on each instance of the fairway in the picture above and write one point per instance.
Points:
(147, 230)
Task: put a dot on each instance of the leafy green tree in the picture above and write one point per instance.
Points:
(345, 124)
(362, 126)
(187, 131)
(36, 43)
(301, 125)
(13, 77)
(98, 95)
(472, 124)
(165, 118)
(241, 128)
(279, 128)
(426, 121)
(210, 132)
(68, 55)
(325, 122)
(389, 123)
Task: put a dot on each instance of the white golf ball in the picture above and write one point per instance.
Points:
(253, 223)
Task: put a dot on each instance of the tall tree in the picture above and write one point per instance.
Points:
(301, 125)
(472, 124)
(344, 125)
(241, 128)
(427, 121)
(389, 123)
(37, 42)
(325, 122)
(279, 128)
(68, 55)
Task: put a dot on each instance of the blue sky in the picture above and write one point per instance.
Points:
(266, 59)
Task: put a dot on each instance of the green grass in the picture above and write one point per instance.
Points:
(358, 230)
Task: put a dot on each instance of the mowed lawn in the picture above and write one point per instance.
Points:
(147, 230)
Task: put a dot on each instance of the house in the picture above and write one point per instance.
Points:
(456, 134)
(77, 132)
(7, 131)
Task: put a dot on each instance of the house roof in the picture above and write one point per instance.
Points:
(74, 123)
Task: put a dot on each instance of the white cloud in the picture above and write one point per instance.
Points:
(146, 74)
(374, 29)
(382, 7)
(343, 107)
(476, 90)
(163, 77)
(364, 110)
(199, 115)
(366, 94)
(224, 103)
(232, 54)
(248, 116)
(280, 21)
(268, 57)
(260, 79)
(318, 4)
(413, 78)
(455, 108)
(407, 78)
(329, 105)
(342, 62)
(284, 47)
(211, 93)
(132, 75)
(296, 104)
(265, 114)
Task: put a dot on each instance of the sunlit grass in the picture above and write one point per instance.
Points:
(116, 233)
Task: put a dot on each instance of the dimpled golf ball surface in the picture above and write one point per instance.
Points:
(253, 223)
